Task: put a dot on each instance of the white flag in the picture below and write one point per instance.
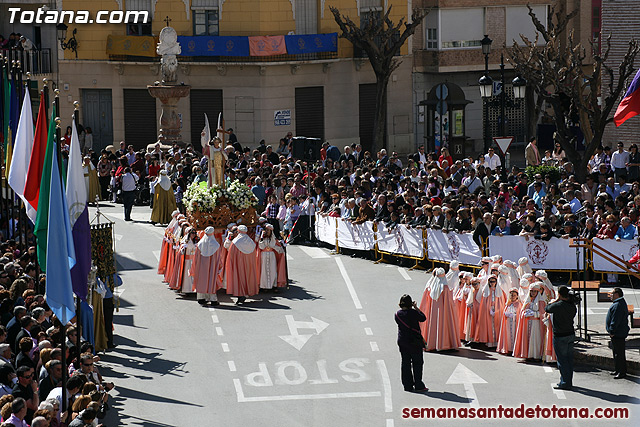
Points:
(22, 152)
(76, 192)
(219, 130)
(204, 139)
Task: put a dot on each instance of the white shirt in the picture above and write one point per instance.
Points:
(492, 162)
(619, 160)
(129, 182)
(575, 205)
(472, 183)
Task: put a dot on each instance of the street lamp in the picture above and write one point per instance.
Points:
(486, 91)
(72, 44)
(486, 87)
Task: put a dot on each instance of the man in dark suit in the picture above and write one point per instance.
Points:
(437, 221)
(26, 324)
(382, 213)
(14, 326)
(617, 324)
(346, 156)
(483, 229)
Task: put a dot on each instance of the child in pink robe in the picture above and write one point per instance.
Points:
(509, 323)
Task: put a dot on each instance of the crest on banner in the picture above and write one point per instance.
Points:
(454, 246)
(537, 251)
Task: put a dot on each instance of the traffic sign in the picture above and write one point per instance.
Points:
(503, 143)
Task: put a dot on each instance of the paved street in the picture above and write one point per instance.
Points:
(321, 353)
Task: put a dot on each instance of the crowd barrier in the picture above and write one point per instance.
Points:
(438, 246)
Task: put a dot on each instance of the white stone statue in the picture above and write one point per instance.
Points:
(169, 47)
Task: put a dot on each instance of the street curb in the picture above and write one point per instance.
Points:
(603, 362)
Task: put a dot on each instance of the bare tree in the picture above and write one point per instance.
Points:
(557, 73)
(381, 40)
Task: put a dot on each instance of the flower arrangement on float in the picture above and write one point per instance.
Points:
(216, 206)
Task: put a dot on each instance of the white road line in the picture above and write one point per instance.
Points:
(211, 309)
(219, 331)
(404, 274)
(289, 257)
(156, 254)
(225, 347)
(363, 317)
(214, 318)
(347, 280)
(368, 331)
(389, 422)
(386, 386)
(314, 252)
(232, 365)
(547, 369)
(374, 346)
(242, 399)
(559, 393)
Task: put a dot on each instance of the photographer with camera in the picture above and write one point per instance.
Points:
(562, 311)
(411, 343)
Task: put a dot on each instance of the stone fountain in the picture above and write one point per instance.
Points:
(168, 91)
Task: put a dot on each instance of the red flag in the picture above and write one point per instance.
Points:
(34, 174)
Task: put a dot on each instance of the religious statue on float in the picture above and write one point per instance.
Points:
(213, 150)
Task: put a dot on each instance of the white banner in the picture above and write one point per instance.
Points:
(448, 247)
(624, 249)
(554, 254)
(326, 229)
(401, 240)
(356, 236)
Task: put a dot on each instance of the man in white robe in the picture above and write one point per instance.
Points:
(268, 247)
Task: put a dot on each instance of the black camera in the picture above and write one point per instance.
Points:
(574, 297)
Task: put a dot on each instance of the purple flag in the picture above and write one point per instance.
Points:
(82, 244)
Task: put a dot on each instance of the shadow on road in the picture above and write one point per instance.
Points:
(609, 397)
(446, 396)
(470, 354)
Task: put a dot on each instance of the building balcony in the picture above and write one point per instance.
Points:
(228, 49)
(34, 61)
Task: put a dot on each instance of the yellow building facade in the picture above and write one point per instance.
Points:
(327, 95)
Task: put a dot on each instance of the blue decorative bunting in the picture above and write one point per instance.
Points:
(214, 46)
(311, 43)
(239, 45)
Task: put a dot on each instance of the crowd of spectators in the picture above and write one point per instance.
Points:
(31, 364)
(424, 190)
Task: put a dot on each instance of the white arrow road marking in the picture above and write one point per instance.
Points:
(559, 393)
(404, 274)
(289, 257)
(157, 255)
(547, 369)
(297, 340)
(118, 236)
(465, 376)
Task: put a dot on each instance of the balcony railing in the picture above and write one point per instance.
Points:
(34, 61)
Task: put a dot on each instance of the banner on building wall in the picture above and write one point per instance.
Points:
(267, 45)
(624, 249)
(356, 236)
(447, 247)
(311, 43)
(132, 45)
(326, 229)
(401, 241)
(554, 254)
(214, 46)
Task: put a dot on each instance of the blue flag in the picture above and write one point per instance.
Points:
(61, 255)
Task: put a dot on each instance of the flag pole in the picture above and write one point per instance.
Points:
(75, 116)
(4, 68)
(65, 369)
(56, 99)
